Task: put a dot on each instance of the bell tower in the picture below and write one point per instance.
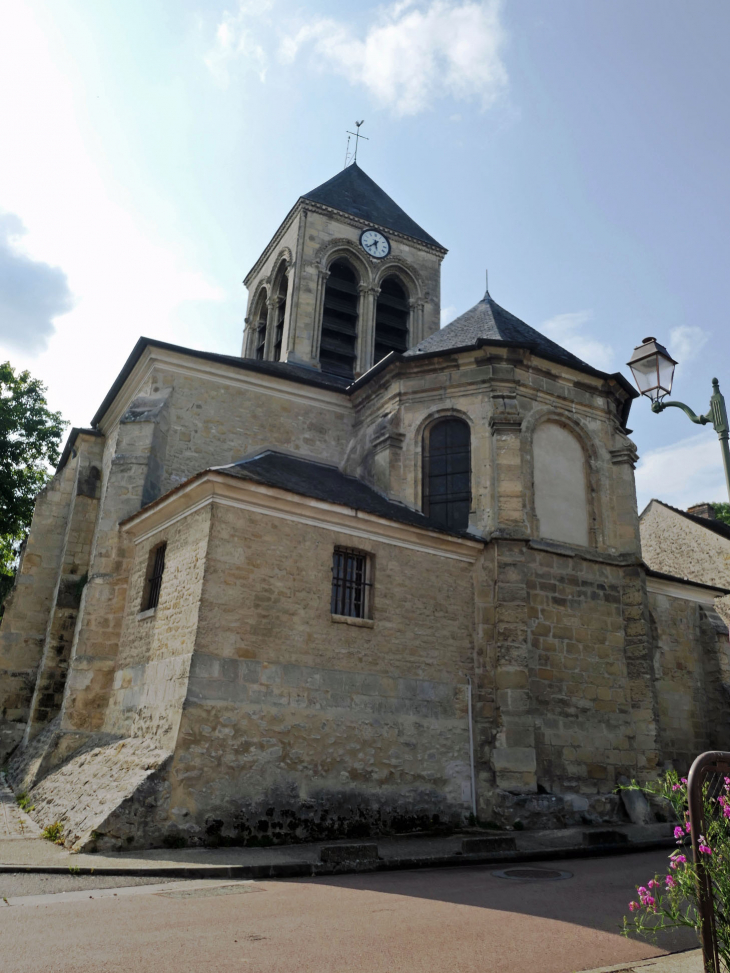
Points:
(347, 278)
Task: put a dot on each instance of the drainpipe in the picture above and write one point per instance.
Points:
(471, 751)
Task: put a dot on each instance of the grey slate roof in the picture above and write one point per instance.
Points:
(353, 191)
(488, 321)
(323, 482)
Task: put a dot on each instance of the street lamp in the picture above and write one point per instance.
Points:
(653, 369)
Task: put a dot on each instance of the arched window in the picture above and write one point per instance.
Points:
(259, 327)
(391, 319)
(337, 350)
(280, 315)
(447, 473)
(561, 496)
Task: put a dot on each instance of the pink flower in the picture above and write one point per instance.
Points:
(687, 827)
(653, 884)
(677, 860)
(634, 906)
(678, 833)
(670, 882)
(684, 780)
(726, 811)
(641, 890)
(676, 787)
(648, 901)
(705, 849)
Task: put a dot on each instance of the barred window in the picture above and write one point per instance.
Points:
(153, 581)
(350, 583)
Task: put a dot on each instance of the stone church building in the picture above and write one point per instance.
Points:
(371, 576)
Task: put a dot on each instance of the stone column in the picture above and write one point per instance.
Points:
(513, 755)
(638, 651)
(415, 329)
(366, 328)
(272, 308)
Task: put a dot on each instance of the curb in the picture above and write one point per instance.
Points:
(295, 869)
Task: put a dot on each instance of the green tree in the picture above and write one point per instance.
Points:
(722, 512)
(30, 435)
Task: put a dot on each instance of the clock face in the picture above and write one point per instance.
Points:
(375, 244)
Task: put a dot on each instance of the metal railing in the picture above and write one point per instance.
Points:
(706, 779)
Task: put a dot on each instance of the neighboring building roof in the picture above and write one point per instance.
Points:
(324, 482)
(297, 373)
(651, 573)
(353, 191)
(716, 526)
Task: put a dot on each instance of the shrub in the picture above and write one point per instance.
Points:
(670, 901)
(54, 833)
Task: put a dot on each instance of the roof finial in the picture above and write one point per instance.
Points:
(358, 136)
(486, 293)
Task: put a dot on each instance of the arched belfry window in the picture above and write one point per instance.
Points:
(391, 319)
(259, 327)
(280, 315)
(337, 350)
(447, 473)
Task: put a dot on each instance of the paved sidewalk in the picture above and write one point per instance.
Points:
(286, 861)
(688, 962)
(14, 824)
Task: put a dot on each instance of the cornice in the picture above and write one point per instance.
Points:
(216, 487)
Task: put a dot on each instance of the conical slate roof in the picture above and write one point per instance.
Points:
(488, 321)
(353, 191)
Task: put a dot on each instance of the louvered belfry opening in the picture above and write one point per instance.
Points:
(280, 315)
(337, 350)
(447, 473)
(260, 326)
(391, 319)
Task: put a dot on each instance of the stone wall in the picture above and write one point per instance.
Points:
(692, 678)
(302, 726)
(151, 674)
(675, 545)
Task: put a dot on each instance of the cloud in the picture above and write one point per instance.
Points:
(235, 40)
(447, 315)
(683, 473)
(686, 343)
(414, 53)
(32, 293)
(566, 330)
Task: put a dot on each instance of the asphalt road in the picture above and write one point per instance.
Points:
(457, 920)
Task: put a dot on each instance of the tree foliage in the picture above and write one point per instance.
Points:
(722, 512)
(30, 436)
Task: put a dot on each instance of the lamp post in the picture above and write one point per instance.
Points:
(653, 369)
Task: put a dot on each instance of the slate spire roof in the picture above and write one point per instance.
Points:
(353, 191)
(487, 321)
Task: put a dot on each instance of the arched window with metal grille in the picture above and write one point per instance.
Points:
(391, 319)
(338, 344)
(447, 472)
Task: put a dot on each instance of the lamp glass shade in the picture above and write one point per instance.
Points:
(653, 369)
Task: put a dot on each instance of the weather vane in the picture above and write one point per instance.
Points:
(357, 137)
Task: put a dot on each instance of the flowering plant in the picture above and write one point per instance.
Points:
(671, 900)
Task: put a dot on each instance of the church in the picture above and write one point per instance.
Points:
(371, 576)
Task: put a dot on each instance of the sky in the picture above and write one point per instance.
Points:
(577, 149)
